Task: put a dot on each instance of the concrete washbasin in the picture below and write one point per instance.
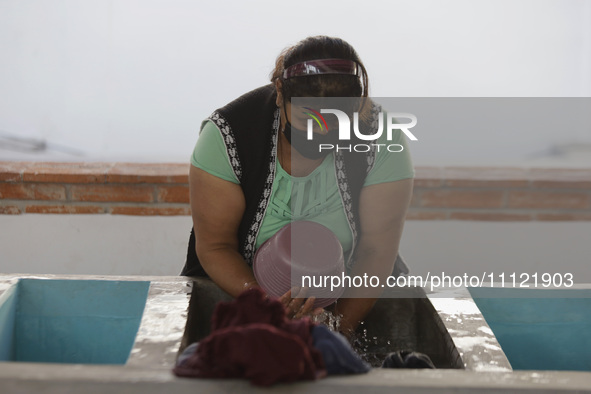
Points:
(404, 320)
(70, 321)
(447, 325)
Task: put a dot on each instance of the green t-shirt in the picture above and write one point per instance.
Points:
(314, 197)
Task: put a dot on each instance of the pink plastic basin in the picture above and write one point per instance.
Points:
(299, 249)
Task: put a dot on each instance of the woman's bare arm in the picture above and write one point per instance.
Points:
(217, 207)
(382, 211)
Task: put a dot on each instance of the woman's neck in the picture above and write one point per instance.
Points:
(291, 160)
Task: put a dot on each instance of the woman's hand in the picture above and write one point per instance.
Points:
(296, 306)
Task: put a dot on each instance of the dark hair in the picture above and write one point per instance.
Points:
(326, 85)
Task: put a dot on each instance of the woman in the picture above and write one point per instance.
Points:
(244, 168)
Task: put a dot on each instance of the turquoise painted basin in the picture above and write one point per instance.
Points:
(540, 329)
(71, 321)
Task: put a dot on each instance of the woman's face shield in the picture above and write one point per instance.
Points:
(313, 125)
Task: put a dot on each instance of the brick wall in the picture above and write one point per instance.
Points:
(444, 193)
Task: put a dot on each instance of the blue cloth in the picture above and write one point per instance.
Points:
(339, 357)
(187, 353)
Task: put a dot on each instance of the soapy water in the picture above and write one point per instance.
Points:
(329, 319)
(372, 350)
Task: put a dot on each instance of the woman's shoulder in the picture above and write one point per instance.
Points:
(210, 153)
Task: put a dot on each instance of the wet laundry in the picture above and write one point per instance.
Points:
(251, 338)
(407, 359)
(338, 355)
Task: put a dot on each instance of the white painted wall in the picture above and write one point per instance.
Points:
(93, 244)
(130, 245)
(132, 79)
(476, 248)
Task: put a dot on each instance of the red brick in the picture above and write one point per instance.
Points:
(427, 177)
(66, 172)
(9, 176)
(11, 171)
(16, 191)
(112, 193)
(10, 210)
(83, 209)
(462, 198)
(31, 191)
(547, 199)
(506, 177)
(173, 194)
(149, 173)
(570, 178)
(490, 216)
(151, 211)
(426, 215)
(583, 216)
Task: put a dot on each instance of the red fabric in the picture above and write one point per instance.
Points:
(252, 338)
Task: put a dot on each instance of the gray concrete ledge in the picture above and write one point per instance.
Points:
(148, 369)
(27, 378)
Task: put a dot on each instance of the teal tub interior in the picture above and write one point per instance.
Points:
(548, 330)
(71, 321)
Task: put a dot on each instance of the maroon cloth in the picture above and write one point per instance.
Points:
(252, 338)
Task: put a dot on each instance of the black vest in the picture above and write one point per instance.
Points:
(249, 127)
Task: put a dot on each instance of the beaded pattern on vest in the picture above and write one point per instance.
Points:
(230, 142)
(376, 110)
(341, 173)
(253, 231)
(346, 199)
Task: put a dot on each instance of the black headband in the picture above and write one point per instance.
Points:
(322, 66)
